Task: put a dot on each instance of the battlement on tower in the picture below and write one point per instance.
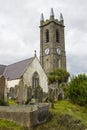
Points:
(52, 19)
(48, 21)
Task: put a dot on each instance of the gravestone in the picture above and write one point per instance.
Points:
(23, 93)
(19, 89)
(2, 86)
(12, 93)
(38, 94)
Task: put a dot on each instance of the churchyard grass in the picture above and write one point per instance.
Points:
(9, 125)
(64, 116)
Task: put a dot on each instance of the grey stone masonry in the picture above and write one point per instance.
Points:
(52, 44)
(2, 86)
(26, 116)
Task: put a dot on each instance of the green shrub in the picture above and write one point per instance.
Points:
(77, 90)
(58, 75)
(3, 103)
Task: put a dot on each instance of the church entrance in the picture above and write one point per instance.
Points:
(35, 80)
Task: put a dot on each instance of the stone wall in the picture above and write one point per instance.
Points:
(52, 60)
(36, 67)
(12, 83)
(26, 116)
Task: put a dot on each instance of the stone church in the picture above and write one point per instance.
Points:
(33, 72)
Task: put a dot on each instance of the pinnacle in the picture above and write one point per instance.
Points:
(61, 17)
(42, 17)
(52, 13)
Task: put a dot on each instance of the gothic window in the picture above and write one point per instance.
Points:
(35, 80)
(57, 36)
(47, 35)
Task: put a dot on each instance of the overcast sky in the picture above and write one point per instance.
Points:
(19, 30)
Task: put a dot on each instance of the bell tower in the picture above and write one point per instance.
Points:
(52, 43)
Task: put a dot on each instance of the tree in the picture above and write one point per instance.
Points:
(77, 90)
(55, 78)
(59, 76)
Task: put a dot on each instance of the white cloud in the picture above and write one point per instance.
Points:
(19, 30)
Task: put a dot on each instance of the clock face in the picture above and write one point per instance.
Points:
(47, 51)
(58, 51)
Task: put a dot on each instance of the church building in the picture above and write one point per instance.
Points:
(52, 55)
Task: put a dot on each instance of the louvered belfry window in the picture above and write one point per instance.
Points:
(57, 36)
(47, 35)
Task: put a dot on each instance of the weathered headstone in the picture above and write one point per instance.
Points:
(29, 93)
(57, 90)
(2, 86)
(23, 93)
(38, 94)
(12, 93)
(19, 92)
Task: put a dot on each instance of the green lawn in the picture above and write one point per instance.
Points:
(65, 107)
(9, 125)
(64, 116)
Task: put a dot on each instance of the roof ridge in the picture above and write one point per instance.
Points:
(2, 65)
(15, 70)
(20, 61)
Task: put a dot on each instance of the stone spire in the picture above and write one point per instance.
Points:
(52, 13)
(61, 17)
(35, 53)
(42, 18)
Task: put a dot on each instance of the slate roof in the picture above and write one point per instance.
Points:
(16, 70)
(2, 68)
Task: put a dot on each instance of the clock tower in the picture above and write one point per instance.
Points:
(52, 43)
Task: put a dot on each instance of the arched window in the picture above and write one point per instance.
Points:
(35, 80)
(47, 35)
(57, 36)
